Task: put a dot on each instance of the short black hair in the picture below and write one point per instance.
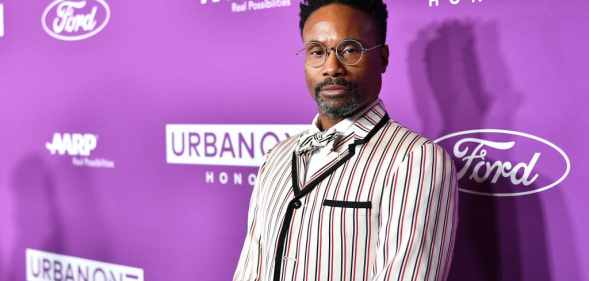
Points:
(376, 9)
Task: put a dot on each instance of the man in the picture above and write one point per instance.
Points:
(359, 196)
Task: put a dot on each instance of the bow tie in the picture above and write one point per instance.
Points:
(316, 141)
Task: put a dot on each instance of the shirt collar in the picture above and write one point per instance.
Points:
(340, 127)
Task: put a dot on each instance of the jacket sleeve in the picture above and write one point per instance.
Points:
(250, 259)
(418, 218)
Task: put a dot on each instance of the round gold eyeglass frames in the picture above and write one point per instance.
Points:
(348, 52)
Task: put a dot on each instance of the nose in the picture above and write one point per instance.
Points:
(333, 67)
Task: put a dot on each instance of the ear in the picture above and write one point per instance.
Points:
(384, 56)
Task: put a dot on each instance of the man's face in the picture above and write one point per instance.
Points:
(337, 88)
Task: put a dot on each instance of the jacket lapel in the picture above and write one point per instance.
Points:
(364, 122)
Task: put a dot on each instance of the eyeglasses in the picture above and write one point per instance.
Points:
(348, 52)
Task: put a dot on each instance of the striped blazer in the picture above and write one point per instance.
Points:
(383, 206)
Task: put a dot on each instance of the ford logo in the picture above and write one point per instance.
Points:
(495, 162)
(75, 20)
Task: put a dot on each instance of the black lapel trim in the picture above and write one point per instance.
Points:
(296, 203)
(294, 175)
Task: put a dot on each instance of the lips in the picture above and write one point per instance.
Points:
(333, 91)
(333, 87)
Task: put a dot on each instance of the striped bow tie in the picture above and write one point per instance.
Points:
(316, 141)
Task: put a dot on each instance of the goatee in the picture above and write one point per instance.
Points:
(348, 103)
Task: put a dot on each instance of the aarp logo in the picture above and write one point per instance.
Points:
(73, 20)
(495, 162)
(78, 147)
(72, 144)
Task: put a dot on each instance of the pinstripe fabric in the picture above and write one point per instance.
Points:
(383, 207)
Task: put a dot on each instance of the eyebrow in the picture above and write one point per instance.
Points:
(347, 38)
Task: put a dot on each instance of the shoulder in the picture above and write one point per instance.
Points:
(407, 141)
(414, 151)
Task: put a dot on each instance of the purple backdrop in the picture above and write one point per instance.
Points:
(112, 79)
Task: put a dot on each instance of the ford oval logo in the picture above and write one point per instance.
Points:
(75, 20)
(495, 162)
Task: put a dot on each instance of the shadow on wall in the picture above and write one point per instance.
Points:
(63, 219)
(461, 82)
(37, 214)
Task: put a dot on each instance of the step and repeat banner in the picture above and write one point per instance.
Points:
(131, 131)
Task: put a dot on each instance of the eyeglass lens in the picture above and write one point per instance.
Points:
(348, 52)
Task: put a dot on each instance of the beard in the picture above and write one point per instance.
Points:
(342, 106)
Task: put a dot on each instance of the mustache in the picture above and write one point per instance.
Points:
(337, 81)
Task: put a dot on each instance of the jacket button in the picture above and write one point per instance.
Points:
(296, 204)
